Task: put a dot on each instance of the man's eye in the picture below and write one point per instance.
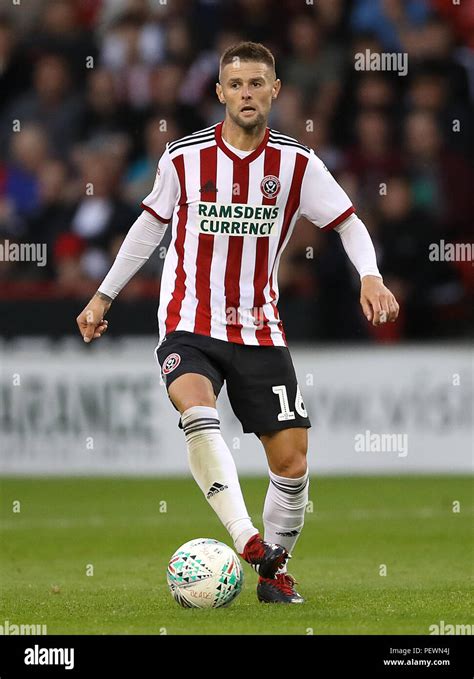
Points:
(257, 84)
(234, 86)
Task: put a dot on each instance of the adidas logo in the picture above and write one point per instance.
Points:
(289, 534)
(214, 489)
(209, 187)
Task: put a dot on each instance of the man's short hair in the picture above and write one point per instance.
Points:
(248, 51)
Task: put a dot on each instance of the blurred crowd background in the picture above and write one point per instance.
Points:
(100, 86)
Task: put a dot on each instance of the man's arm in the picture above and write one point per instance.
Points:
(140, 242)
(378, 303)
(327, 205)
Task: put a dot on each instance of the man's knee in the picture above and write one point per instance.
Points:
(190, 390)
(286, 452)
(293, 465)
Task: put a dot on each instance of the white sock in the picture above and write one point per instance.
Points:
(284, 510)
(214, 470)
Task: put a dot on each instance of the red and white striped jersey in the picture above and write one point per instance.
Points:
(231, 219)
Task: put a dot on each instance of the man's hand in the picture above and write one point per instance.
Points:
(91, 321)
(378, 303)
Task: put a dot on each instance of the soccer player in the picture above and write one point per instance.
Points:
(233, 193)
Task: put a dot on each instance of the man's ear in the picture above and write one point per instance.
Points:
(276, 88)
(220, 93)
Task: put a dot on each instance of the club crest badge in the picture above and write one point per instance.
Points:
(270, 186)
(171, 362)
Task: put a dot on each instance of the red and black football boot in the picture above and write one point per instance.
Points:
(278, 590)
(265, 557)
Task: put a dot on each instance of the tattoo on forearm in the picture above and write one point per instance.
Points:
(104, 298)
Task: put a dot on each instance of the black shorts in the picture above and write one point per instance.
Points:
(261, 381)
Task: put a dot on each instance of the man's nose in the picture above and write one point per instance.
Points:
(245, 92)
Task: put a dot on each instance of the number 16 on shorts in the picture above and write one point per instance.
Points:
(286, 413)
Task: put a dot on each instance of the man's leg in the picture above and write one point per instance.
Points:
(287, 495)
(214, 470)
(285, 506)
(210, 460)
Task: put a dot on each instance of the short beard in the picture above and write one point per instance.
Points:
(248, 125)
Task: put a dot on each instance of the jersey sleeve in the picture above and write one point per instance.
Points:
(162, 200)
(323, 201)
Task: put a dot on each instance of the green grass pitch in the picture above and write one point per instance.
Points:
(120, 528)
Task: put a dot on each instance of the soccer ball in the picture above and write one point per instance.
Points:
(204, 573)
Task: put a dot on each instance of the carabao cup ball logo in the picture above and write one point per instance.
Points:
(270, 186)
(171, 362)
